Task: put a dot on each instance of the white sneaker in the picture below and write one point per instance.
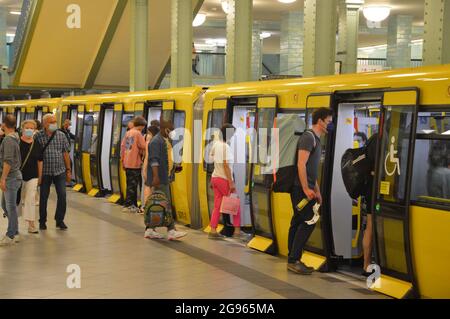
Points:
(152, 234)
(133, 209)
(17, 239)
(6, 241)
(175, 235)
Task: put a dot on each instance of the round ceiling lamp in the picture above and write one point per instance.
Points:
(225, 6)
(199, 20)
(376, 13)
(287, 1)
(265, 35)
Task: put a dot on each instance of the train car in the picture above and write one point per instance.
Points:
(410, 108)
(100, 122)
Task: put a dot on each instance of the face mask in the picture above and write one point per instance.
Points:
(28, 133)
(330, 127)
(172, 135)
(53, 127)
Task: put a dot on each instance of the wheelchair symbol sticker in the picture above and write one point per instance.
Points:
(392, 159)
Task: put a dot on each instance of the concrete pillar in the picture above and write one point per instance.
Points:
(319, 52)
(352, 29)
(139, 46)
(291, 43)
(342, 32)
(181, 58)
(3, 47)
(239, 41)
(436, 44)
(399, 41)
(256, 52)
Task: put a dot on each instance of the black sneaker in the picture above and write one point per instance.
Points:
(61, 226)
(299, 268)
(42, 227)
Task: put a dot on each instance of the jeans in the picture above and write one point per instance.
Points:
(9, 206)
(60, 185)
(221, 188)
(133, 181)
(299, 231)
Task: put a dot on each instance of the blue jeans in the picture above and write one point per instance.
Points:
(9, 206)
(60, 185)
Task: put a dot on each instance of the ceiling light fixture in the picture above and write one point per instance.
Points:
(376, 13)
(287, 1)
(225, 6)
(17, 13)
(199, 20)
(265, 35)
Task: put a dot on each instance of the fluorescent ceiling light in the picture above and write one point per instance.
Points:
(225, 6)
(446, 133)
(265, 35)
(17, 13)
(428, 131)
(376, 13)
(10, 34)
(199, 20)
(287, 1)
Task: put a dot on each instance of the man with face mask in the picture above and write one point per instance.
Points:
(66, 130)
(306, 189)
(56, 170)
(160, 174)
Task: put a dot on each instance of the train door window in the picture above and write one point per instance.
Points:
(179, 123)
(262, 157)
(154, 114)
(88, 133)
(431, 169)
(1, 116)
(126, 118)
(107, 136)
(73, 116)
(355, 124)
(18, 118)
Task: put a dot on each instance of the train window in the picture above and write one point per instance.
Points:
(179, 122)
(87, 133)
(431, 169)
(396, 139)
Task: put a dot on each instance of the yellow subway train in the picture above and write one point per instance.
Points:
(409, 108)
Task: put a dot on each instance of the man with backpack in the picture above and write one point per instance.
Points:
(160, 173)
(305, 193)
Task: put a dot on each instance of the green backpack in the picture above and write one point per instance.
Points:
(156, 211)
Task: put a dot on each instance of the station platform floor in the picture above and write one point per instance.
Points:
(116, 262)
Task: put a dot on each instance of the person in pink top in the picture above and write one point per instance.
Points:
(131, 155)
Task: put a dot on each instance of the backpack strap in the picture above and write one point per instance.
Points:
(49, 141)
(314, 138)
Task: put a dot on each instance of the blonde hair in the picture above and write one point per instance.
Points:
(29, 122)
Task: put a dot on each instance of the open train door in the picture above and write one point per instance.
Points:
(260, 177)
(393, 173)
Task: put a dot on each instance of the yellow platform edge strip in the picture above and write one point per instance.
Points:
(392, 287)
(260, 243)
(313, 260)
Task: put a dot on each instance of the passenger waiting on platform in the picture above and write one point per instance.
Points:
(66, 130)
(306, 188)
(152, 131)
(56, 170)
(11, 178)
(160, 173)
(132, 151)
(31, 154)
(222, 180)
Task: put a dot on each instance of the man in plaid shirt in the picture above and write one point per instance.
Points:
(56, 170)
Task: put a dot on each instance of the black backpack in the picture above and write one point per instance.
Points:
(356, 167)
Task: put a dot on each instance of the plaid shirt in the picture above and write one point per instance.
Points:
(54, 154)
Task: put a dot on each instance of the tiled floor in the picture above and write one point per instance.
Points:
(117, 262)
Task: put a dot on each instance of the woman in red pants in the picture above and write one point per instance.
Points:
(222, 180)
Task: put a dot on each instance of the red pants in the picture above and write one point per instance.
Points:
(221, 188)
